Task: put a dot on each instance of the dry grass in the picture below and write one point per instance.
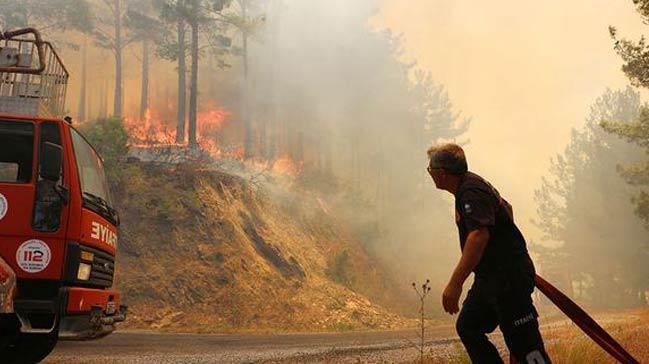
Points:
(203, 251)
(460, 357)
(564, 341)
(568, 344)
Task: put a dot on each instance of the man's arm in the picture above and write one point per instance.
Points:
(474, 246)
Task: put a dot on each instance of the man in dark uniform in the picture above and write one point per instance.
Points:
(495, 250)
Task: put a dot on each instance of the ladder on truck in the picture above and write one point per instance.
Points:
(33, 79)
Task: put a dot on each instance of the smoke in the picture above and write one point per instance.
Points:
(328, 87)
(331, 91)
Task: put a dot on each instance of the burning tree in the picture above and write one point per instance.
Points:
(155, 131)
(203, 18)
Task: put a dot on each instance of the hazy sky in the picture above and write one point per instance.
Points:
(525, 71)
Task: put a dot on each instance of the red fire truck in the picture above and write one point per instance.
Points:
(58, 227)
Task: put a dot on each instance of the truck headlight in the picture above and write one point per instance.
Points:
(84, 272)
(87, 256)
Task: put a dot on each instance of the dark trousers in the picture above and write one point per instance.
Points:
(492, 303)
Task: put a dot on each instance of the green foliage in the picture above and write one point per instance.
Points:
(143, 24)
(206, 15)
(241, 19)
(582, 192)
(636, 58)
(576, 203)
(634, 54)
(219, 5)
(109, 138)
(59, 14)
(638, 175)
(339, 268)
(636, 132)
(342, 326)
(104, 30)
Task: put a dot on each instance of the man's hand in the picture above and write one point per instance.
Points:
(451, 298)
(475, 244)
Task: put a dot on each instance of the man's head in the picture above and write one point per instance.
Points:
(446, 164)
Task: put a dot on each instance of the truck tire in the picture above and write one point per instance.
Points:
(28, 348)
(19, 348)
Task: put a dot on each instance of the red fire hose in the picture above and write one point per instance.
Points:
(584, 321)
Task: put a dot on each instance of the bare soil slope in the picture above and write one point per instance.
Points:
(205, 251)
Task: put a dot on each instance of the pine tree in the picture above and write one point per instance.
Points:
(148, 30)
(582, 192)
(636, 63)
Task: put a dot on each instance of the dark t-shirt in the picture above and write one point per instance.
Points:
(478, 204)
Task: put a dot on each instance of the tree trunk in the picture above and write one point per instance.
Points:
(247, 125)
(81, 114)
(117, 102)
(105, 113)
(144, 92)
(193, 89)
(100, 102)
(182, 86)
(272, 129)
(103, 102)
(100, 108)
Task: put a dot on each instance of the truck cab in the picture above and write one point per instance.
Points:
(58, 226)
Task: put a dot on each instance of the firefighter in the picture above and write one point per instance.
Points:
(495, 250)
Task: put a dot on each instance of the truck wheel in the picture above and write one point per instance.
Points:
(28, 348)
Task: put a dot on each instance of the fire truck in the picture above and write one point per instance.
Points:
(58, 227)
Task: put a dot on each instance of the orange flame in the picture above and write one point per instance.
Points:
(285, 165)
(154, 130)
(158, 132)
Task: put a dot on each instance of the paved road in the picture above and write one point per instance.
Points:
(148, 347)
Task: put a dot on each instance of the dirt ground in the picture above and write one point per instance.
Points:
(564, 341)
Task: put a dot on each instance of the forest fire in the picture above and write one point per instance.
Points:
(252, 180)
(156, 129)
(154, 139)
(150, 131)
(285, 165)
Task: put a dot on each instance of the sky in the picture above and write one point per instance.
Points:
(525, 72)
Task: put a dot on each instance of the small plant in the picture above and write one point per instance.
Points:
(339, 269)
(342, 326)
(422, 294)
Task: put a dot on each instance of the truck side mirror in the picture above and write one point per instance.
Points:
(51, 161)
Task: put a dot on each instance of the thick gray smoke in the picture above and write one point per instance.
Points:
(332, 94)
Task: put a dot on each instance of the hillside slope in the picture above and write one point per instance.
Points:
(207, 251)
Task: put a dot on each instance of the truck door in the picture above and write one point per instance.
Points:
(51, 197)
(17, 170)
(33, 229)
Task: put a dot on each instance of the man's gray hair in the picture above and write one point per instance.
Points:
(449, 157)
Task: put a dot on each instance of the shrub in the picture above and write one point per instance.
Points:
(109, 138)
(339, 269)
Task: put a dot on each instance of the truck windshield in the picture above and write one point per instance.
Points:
(91, 171)
(17, 151)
